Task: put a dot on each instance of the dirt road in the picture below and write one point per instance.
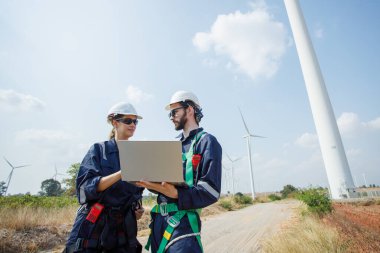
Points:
(243, 231)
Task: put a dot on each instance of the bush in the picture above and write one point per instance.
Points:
(226, 204)
(317, 200)
(288, 191)
(242, 199)
(274, 197)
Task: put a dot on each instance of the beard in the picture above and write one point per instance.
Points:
(180, 124)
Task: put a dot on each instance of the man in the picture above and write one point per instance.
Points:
(175, 223)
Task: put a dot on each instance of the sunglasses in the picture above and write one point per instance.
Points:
(173, 112)
(128, 121)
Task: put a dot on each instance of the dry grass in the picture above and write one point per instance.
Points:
(351, 227)
(29, 217)
(32, 229)
(306, 234)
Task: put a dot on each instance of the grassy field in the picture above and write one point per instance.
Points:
(32, 223)
(351, 227)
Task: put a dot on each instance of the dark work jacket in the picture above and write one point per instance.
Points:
(206, 191)
(101, 160)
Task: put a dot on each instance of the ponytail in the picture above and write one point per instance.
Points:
(112, 134)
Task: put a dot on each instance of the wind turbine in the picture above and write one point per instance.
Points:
(248, 138)
(233, 171)
(56, 173)
(10, 174)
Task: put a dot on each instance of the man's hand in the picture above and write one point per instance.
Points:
(165, 188)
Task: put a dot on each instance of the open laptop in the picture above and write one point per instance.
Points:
(154, 161)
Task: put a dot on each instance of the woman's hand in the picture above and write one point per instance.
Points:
(139, 212)
(165, 188)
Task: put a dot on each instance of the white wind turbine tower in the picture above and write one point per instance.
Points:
(248, 138)
(226, 177)
(233, 171)
(10, 174)
(333, 153)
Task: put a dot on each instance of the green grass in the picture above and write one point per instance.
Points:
(37, 201)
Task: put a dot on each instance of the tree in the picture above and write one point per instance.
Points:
(70, 182)
(3, 188)
(288, 189)
(51, 187)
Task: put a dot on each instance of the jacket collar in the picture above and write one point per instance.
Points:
(111, 146)
(191, 134)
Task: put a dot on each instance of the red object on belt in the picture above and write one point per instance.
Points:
(196, 160)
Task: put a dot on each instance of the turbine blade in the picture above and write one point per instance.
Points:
(258, 136)
(245, 125)
(229, 158)
(8, 162)
(21, 166)
(237, 159)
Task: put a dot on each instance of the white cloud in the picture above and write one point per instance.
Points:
(307, 140)
(43, 137)
(254, 41)
(13, 101)
(373, 124)
(349, 124)
(136, 95)
(318, 31)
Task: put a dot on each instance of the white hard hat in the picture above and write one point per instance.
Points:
(124, 109)
(182, 96)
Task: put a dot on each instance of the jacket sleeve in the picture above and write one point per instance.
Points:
(207, 190)
(89, 176)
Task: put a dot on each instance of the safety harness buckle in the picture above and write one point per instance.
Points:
(164, 209)
(173, 222)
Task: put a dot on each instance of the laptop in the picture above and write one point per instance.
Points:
(154, 161)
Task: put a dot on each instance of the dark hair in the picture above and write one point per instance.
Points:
(197, 110)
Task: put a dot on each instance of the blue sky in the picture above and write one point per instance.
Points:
(63, 64)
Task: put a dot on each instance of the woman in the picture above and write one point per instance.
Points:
(106, 220)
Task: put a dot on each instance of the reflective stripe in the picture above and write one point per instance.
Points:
(209, 189)
(167, 235)
(181, 237)
(82, 194)
(103, 150)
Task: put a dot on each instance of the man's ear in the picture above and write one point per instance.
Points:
(191, 109)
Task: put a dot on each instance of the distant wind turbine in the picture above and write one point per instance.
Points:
(56, 173)
(233, 171)
(248, 138)
(10, 174)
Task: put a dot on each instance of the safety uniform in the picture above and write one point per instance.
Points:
(116, 228)
(204, 192)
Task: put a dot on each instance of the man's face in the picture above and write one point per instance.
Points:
(178, 116)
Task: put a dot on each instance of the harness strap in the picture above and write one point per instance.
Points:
(189, 175)
(173, 223)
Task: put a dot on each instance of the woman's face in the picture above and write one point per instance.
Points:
(124, 127)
